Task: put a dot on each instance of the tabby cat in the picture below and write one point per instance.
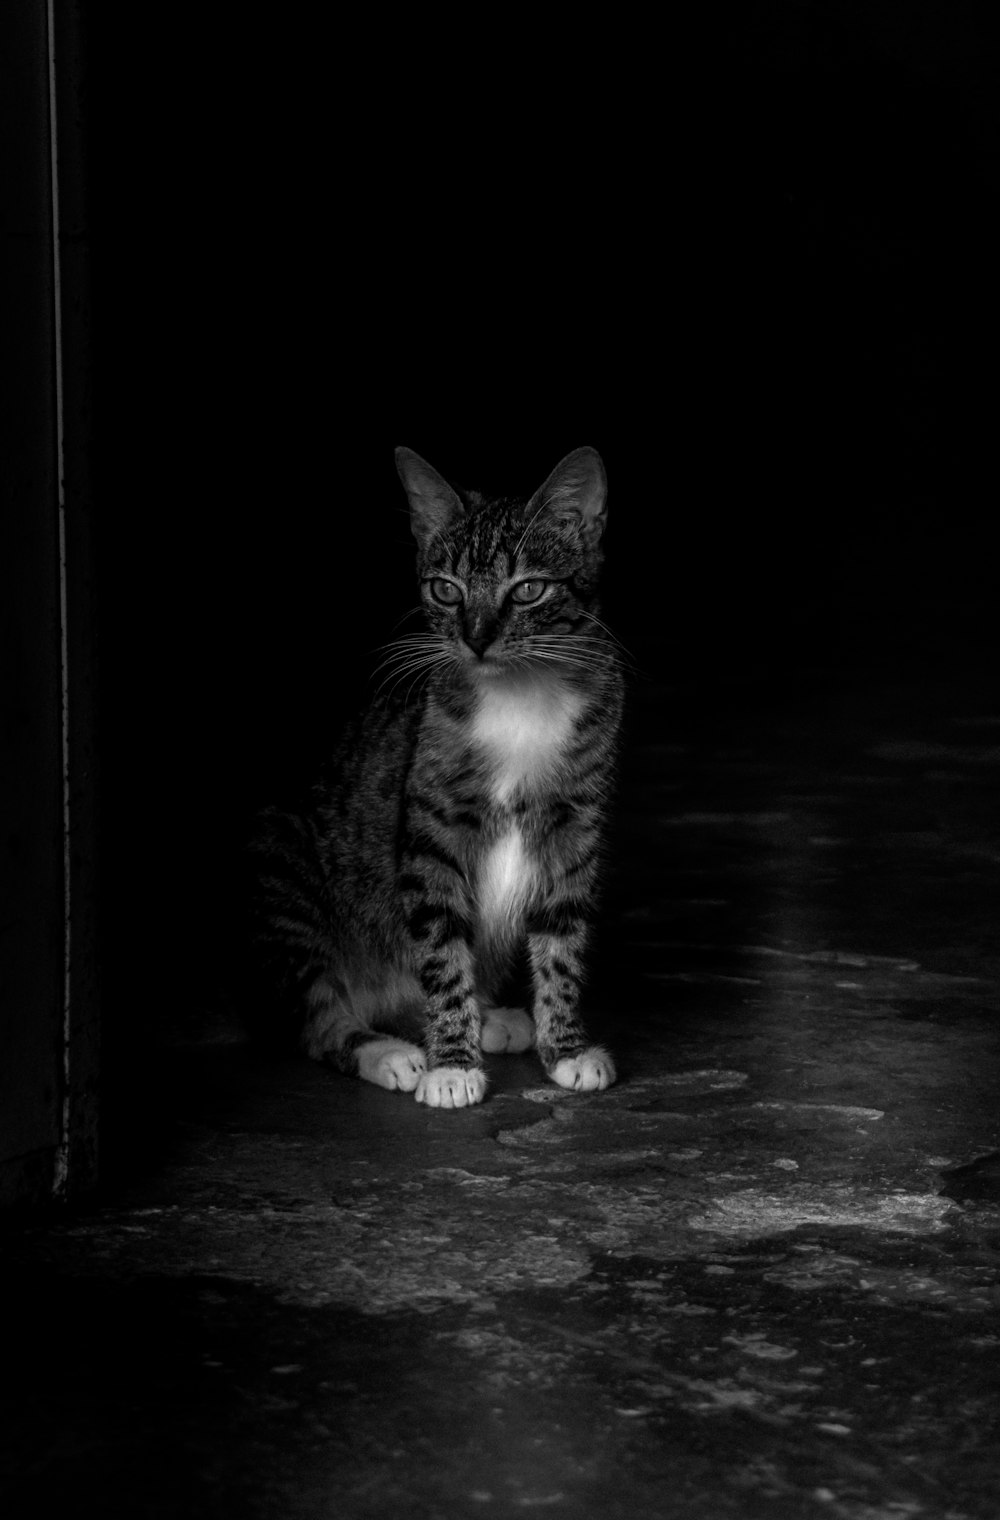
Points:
(459, 825)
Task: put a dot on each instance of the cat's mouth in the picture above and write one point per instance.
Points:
(488, 667)
(502, 665)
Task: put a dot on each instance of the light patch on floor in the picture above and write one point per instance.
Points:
(843, 1110)
(714, 1081)
(704, 977)
(752, 1212)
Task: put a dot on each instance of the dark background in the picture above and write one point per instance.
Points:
(751, 260)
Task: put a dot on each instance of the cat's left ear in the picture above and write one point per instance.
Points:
(577, 488)
(434, 505)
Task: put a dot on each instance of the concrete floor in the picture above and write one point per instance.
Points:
(757, 1278)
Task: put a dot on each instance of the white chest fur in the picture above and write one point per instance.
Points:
(522, 728)
(505, 881)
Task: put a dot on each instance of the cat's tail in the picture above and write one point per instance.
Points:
(289, 921)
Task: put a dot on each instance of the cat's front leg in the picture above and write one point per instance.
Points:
(455, 1077)
(556, 941)
(433, 887)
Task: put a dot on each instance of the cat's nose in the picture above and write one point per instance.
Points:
(479, 642)
(479, 633)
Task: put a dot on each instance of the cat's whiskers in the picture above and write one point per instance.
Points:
(405, 660)
(417, 655)
(413, 612)
(625, 654)
(417, 676)
(578, 650)
(412, 643)
(408, 651)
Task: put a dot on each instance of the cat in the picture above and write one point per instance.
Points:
(459, 825)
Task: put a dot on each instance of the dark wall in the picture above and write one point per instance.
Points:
(49, 1004)
(32, 962)
(749, 263)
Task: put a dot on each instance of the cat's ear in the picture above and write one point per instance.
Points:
(576, 489)
(434, 505)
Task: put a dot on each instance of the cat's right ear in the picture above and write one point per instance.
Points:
(577, 490)
(434, 505)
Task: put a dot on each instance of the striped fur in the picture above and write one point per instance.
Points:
(459, 826)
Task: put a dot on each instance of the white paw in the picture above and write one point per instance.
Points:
(394, 1064)
(451, 1087)
(588, 1072)
(506, 1029)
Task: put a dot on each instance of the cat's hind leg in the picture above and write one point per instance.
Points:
(395, 1064)
(353, 1027)
(591, 1071)
(506, 1031)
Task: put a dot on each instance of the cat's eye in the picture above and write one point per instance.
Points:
(446, 592)
(528, 591)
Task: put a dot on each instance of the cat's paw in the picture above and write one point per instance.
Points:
(395, 1064)
(452, 1087)
(507, 1030)
(590, 1071)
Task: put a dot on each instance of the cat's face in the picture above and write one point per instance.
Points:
(509, 586)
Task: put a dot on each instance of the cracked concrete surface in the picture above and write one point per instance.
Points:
(758, 1277)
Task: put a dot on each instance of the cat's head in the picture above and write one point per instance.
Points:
(511, 584)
